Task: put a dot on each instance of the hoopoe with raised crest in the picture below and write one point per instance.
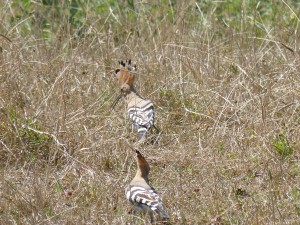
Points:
(139, 110)
(142, 196)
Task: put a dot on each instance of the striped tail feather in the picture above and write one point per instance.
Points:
(162, 212)
(142, 132)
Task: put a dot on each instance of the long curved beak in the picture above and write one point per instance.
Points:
(116, 101)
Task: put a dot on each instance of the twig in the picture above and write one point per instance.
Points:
(199, 114)
(43, 132)
(291, 10)
(6, 38)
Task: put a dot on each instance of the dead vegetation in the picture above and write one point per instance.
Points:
(226, 92)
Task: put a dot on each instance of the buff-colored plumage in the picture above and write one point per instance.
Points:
(139, 110)
(142, 196)
(125, 75)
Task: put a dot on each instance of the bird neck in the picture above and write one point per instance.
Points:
(141, 174)
(131, 95)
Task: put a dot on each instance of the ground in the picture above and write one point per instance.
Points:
(224, 79)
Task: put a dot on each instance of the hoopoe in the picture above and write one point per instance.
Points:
(142, 196)
(139, 110)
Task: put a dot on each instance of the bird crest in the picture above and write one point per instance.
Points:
(142, 163)
(125, 74)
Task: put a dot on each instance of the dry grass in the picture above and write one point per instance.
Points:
(228, 106)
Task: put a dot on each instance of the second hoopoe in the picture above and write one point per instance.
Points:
(142, 196)
(139, 110)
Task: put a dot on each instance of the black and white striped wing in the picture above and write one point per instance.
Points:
(143, 117)
(146, 199)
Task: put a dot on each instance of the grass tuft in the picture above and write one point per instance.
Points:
(224, 78)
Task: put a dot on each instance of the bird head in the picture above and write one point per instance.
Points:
(142, 164)
(125, 74)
